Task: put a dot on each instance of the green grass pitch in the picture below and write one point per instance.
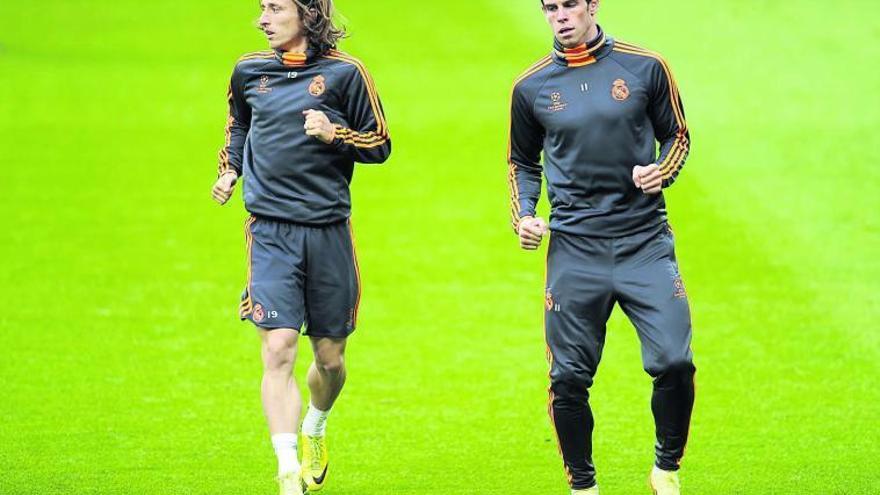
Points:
(123, 368)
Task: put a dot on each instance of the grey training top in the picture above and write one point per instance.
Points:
(289, 175)
(596, 112)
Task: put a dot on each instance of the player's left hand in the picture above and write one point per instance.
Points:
(648, 178)
(318, 125)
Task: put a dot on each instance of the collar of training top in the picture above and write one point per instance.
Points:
(584, 54)
(296, 59)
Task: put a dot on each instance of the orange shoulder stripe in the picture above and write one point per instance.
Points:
(674, 97)
(382, 128)
(253, 55)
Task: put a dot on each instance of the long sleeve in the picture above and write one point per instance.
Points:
(523, 158)
(365, 137)
(238, 123)
(670, 128)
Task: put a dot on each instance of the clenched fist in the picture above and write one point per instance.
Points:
(648, 178)
(531, 230)
(222, 190)
(318, 125)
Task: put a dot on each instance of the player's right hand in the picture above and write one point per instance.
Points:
(648, 178)
(222, 190)
(531, 230)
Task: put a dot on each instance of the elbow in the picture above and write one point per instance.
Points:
(382, 154)
(375, 151)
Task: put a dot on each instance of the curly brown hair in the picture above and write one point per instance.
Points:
(317, 20)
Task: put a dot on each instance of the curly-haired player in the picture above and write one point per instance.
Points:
(300, 116)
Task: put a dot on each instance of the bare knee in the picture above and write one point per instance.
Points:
(329, 355)
(279, 351)
(330, 363)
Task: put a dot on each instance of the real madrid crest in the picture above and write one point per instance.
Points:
(619, 91)
(317, 87)
(258, 314)
(549, 303)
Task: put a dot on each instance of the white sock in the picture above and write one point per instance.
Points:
(583, 490)
(660, 471)
(315, 422)
(285, 449)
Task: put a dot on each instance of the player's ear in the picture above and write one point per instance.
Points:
(593, 5)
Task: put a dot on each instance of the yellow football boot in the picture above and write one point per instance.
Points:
(315, 462)
(664, 482)
(290, 484)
